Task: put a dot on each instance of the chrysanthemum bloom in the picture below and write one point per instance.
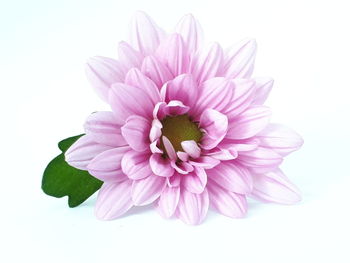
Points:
(187, 128)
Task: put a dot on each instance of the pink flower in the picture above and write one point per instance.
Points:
(187, 127)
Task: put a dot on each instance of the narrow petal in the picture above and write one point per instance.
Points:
(239, 60)
(249, 123)
(107, 165)
(145, 191)
(192, 208)
(205, 162)
(136, 165)
(191, 32)
(145, 35)
(113, 200)
(103, 128)
(136, 133)
(182, 167)
(183, 156)
(156, 71)
(191, 148)
(128, 56)
(225, 202)
(263, 87)
(215, 125)
(168, 201)
(275, 187)
(156, 130)
(232, 177)
(280, 139)
(195, 181)
(206, 63)
(169, 148)
(161, 166)
(127, 100)
(102, 72)
(83, 151)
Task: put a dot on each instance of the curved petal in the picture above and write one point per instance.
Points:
(196, 181)
(147, 190)
(249, 123)
(191, 32)
(275, 187)
(191, 148)
(280, 139)
(83, 151)
(107, 165)
(239, 60)
(156, 71)
(169, 148)
(175, 180)
(102, 72)
(102, 127)
(145, 35)
(156, 130)
(215, 125)
(127, 100)
(128, 56)
(205, 162)
(168, 201)
(232, 177)
(206, 63)
(136, 165)
(263, 87)
(161, 166)
(113, 200)
(136, 133)
(192, 208)
(182, 167)
(225, 202)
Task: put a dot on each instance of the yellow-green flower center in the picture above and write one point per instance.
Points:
(180, 128)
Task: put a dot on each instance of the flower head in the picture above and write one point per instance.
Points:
(187, 127)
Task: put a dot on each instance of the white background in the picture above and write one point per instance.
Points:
(45, 97)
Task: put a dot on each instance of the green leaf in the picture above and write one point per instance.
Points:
(60, 179)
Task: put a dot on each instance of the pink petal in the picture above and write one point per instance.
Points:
(175, 180)
(263, 87)
(206, 63)
(280, 139)
(182, 167)
(182, 156)
(191, 32)
(225, 202)
(169, 148)
(136, 133)
(223, 154)
(275, 187)
(135, 78)
(128, 56)
(205, 162)
(102, 72)
(161, 166)
(102, 128)
(239, 60)
(83, 151)
(249, 123)
(126, 101)
(145, 191)
(156, 130)
(113, 200)
(156, 71)
(173, 108)
(136, 165)
(145, 35)
(196, 181)
(232, 177)
(215, 125)
(192, 208)
(191, 148)
(107, 165)
(168, 201)
(183, 88)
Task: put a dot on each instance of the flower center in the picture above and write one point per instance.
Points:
(178, 129)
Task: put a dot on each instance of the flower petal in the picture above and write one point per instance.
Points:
(205, 162)
(83, 151)
(280, 139)
(168, 201)
(156, 71)
(113, 200)
(191, 148)
(161, 166)
(275, 187)
(136, 165)
(263, 87)
(107, 165)
(215, 125)
(225, 202)
(102, 128)
(192, 208)
(128, 56)
(232, 177)
(239, 60)
(249, 123)
(147, 190)
(191, 32)
(195, 181)
(102, 72)
(169, 148)
(136, 133)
